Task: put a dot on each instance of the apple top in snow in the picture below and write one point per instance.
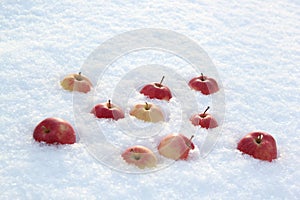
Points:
(140, 156)
(108, 110)
(147, 112)
(205, 120)
(76, 82)
(260, 145)
(157, 91)
(175, 146)
(54, 130)
(204, 84)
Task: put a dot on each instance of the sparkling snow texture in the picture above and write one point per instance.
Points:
(253, 44)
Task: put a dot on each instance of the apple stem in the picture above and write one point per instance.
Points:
(202, 77)
(189, 143)
(45, 129)
(191, 138)
(78, 78)
(206, 110)
(109, 104)
(162, 79)
(146, 106)
(259, 139)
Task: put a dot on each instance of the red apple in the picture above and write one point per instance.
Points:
(140, 156)
(157, 91)
(76, 82)
(147, 112)
(176, 146)
(107, 110)
(204, 84)
(54, 130)
(204, 119)
(260, 145)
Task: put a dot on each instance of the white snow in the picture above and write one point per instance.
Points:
(254, 46)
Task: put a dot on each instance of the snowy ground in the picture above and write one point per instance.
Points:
(254, 45)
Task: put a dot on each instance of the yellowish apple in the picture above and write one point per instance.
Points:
(76, 82)
(175, 146)
(140, 156)
(147, 112)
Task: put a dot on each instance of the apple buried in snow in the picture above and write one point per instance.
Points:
(140, 156)
(176, 146)
(260, 145)
(157, 91)
(107, 110)
(204, 120)
(76, 82)
(204, 84)
(54, 131)
(147, 112)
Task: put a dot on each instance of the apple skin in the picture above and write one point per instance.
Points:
(54, 131)
(108, 110)
(147, 112)
(157, 91)
(204, 84)
(204, 120)
(76, 82)
(259, 145)
(140, 156)
(175, 146)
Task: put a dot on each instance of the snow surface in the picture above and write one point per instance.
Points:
(253, 44)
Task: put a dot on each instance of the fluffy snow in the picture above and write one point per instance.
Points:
(254, 46)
